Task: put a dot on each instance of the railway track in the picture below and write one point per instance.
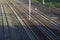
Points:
(24, 18)
(35, 21)
(1, 25)
(6, 29)
(26, 29)
(36, 17)
(49, 11)
(38, 12)
(16, 32)
(30, 23)
(50, 22)
(47, 18)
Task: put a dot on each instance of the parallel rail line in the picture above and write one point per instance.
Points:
(7, 26)
(28, 22)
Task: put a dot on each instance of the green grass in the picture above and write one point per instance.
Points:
(54, 4)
